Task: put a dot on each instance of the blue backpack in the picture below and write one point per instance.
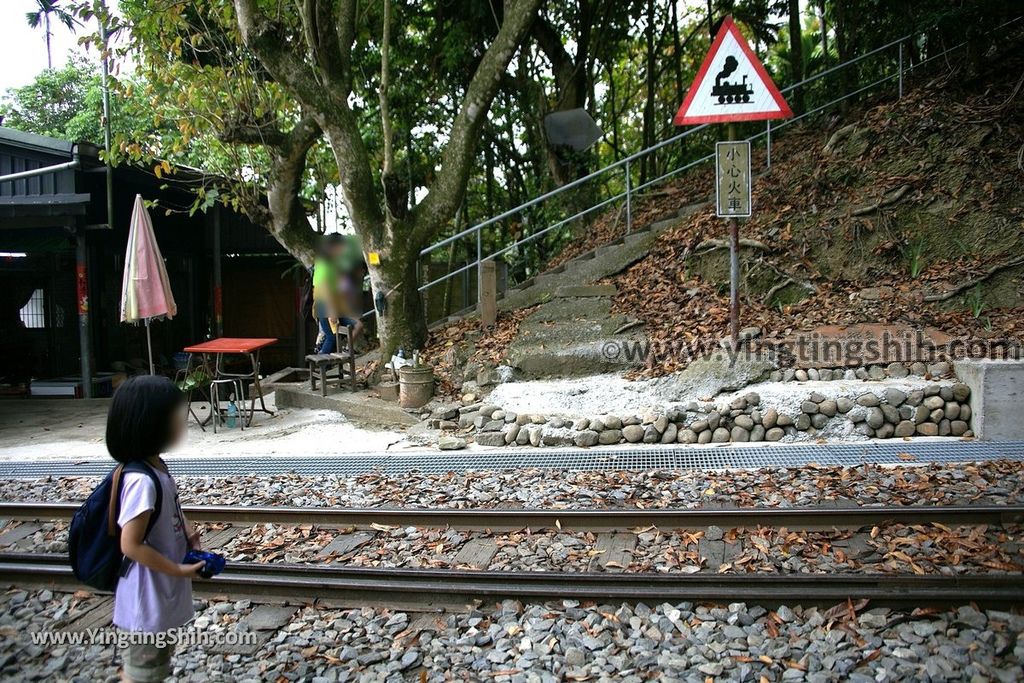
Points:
(94, 539)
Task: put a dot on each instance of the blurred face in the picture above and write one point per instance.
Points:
(179, 426)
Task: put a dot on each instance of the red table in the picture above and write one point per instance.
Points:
(234, 346)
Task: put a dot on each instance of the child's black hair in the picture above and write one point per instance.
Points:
(139, 424)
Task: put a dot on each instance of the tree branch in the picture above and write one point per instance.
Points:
(449, 187)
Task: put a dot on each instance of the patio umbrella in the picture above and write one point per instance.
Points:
(145, 290)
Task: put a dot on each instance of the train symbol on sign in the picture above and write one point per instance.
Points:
(730, 93)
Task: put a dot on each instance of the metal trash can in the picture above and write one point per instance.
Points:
(415, 385)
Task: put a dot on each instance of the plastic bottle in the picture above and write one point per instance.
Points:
(232, 413)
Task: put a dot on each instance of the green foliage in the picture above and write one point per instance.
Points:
(975, 301)
(915, 257)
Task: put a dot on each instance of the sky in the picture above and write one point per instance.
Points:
(23, 49)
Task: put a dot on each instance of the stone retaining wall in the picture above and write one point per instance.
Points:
(934, 410)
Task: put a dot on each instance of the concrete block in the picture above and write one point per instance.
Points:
(997, 397)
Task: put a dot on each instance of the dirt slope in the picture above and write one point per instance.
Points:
(899, 212)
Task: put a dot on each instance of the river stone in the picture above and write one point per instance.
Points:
(686, 436)
(937, 415)
(905, 428)
(512, 433)
(958, 427)
(944, 428)
(661, 424)
(928, 429)
(946, 393)
(631, 420)
(522, 420)
(774, 434)
(784, 421)
(952, 410)
(932, 390)
(698, 426)
(813, 374)
(965, 412)
(816, 397)
(868, 400)
(586, 438)
(770, 418)
(897, 370)
(866, 430)
(651, 434)
(885, 431)
(961, 392)
(713, 419)
(891, 413)
(907, 412)
(844, 405)
(895, 397)
(720, 435)
(611, 422)
(825, 375)
(451, 443)
(581, 424)
(738, 404)
(744, 421)
(819, 421)
(609, 436)
(915, 397)
(535, 435)
(523, 437)
(757, 433)
(740, 434)
(488, 410)
(669, 436)
(921, 414)
(803, 422)
(801, 375)
(597, 424)
(490, 439)
(705, 437)
(753, 398)
(809, 407)
(828, 408)
(875, 418)
(633, 433)
(788, 375)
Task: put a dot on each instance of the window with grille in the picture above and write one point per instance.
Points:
(33, 314)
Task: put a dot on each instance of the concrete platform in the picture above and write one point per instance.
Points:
(360, 406)
(997, 397)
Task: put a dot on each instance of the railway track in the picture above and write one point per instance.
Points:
(433, 588)
(576, 519)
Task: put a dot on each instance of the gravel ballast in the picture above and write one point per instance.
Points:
(513, 642)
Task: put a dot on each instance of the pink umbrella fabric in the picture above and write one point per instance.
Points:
(145, 289)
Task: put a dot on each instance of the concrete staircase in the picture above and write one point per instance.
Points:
(587, 268)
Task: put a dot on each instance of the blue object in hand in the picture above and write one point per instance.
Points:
(214, 563)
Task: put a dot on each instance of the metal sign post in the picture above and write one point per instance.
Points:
(732, 85)
(732, 200)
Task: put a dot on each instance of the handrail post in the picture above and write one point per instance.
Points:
(479, 260)
(768, 143)
(901, 70)
(629, 201)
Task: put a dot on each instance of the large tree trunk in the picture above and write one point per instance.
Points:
(314, 65)
(796, 55)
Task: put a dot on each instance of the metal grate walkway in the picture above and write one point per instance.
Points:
(634, 458)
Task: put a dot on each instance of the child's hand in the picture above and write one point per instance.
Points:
(194, 541)
(190, 571)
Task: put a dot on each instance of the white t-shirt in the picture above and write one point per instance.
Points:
(148, 600)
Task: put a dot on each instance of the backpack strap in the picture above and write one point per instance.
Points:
(117, 484)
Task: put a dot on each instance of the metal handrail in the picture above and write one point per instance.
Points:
(626, 162)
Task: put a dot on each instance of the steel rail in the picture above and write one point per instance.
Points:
(443, 586)
(848, 517)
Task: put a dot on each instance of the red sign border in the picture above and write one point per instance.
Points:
(729, 26)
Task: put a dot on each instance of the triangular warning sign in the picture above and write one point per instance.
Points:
(732, 85)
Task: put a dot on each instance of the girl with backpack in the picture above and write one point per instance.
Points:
(154, 590)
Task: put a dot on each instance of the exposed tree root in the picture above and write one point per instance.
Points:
(887, 199)
(945, 296)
